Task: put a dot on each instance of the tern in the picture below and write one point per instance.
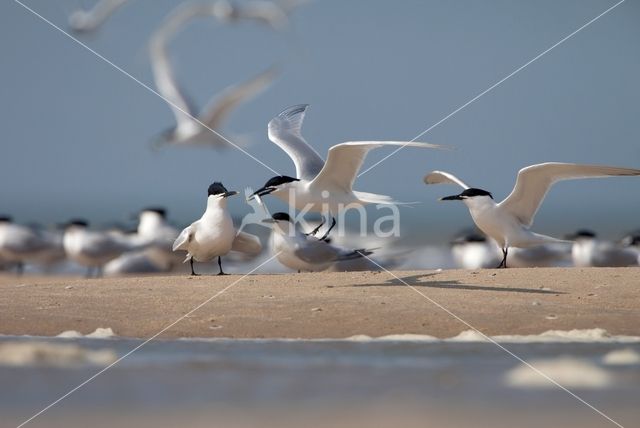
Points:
(214, 235)
(322, 186)
(22, 244)
(193, 127)
(588, 251)
(93, 249)
(88, 21)
(298, 251)
(508, 222)
(474, 251)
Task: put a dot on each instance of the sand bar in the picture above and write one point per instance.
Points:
(327, 305)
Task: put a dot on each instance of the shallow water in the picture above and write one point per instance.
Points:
(321, 383)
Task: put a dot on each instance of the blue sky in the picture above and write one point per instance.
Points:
(76, 131)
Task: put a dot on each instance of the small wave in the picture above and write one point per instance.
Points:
(20, 354)
(620, 357)
(98, 333)
(567, 371)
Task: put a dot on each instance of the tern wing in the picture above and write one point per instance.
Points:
(183, 239)
(345, 159)
(284, 131)
(437, 177)
(315, 251)
(534, 181)
(164, 77)
(246, 243)
(217, 111)
(267, 12)
(90, 20)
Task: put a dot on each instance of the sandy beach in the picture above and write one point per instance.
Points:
(327, 305)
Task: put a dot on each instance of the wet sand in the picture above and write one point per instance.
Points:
(327, 305)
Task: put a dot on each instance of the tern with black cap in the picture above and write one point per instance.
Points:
(322, 186)
(508, 222)
(214, 235)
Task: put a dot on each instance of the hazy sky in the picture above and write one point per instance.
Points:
(76, 131)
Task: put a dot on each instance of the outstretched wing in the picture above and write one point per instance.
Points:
(438, 177)
(247, 244)
(284, 131)
(534, 181)
(216, 112)
(344, 161)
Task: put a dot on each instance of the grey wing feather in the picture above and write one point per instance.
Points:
(285, 131)
(534, 182)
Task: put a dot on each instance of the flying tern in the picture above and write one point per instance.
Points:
(321, 186)
(214, 235)
(193, 127)
(88, 21)
(508, 222)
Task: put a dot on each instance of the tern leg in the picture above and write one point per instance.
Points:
(220, 266)
(333, 223)
(193, 273)
(88, 274)
(503, 263)
(19, 268)
(99, 272)
(314, 231)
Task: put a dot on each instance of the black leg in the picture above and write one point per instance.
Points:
(99, 272)
(193, 273)
(503, 263)
(89, 271)
(220, 266)
(19, 268)
(317, 229)
(333, 223)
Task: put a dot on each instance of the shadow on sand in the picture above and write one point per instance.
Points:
(419, 281)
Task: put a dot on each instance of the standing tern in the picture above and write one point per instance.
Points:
(298, 251)
(321, 186)
(214, 235)
(508, 222)
(93, 249)
(588, 251)
(22, 244)
(193, 127)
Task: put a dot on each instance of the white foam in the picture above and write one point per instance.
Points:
(394, 337)
(620, 357)
(99, 333)
(567, 371)
(594, 335)
(52, 354)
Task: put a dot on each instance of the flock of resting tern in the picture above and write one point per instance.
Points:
(319, 185)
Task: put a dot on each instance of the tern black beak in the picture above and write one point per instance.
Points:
(261, 192)
(268, 220)
(229, 193)
(452, 198)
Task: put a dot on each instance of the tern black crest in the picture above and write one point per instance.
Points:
(162, 212)
(279, 180)
(281, 216)
(5, 219)
(476, 192)
(585, 233)
(78, 222)
(217, 189)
